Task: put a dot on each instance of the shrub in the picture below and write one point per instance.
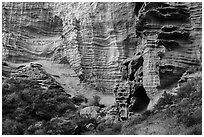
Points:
(167, 99)
(195, 130)
(78, 99)
(11, 127)
(117, 127)
(185, 90)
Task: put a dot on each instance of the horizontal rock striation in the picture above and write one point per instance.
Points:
(95, 38)
(98, 37)
(168, 48)
(169, 45)
(29, 31)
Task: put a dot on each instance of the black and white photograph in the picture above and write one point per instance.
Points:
(101, 68)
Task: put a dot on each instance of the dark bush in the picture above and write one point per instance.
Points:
(185, 90)
(186, 120)
(78, 99)
(195, 130)
(117, 127)
(25, 102)
(167, 99)
(11, 127)
(191, 113)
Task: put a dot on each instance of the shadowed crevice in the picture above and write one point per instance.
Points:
(141, 100)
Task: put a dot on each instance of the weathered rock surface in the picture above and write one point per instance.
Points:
(169, 41)
(97, 37)
(30, 31)
(143, 48)
(90, 111)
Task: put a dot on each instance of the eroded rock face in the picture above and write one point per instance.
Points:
(167, 49)
(169, 41)
(130, 94)
(101, 35)
(30, 31)
(97, 37)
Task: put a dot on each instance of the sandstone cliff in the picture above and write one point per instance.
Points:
(29, 30)
(171, 39)
(97, 37)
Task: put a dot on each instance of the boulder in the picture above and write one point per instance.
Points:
(91, 112)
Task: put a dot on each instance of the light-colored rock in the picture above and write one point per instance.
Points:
(90, 111)
(30, 31)
(99, 36)
(170, 44)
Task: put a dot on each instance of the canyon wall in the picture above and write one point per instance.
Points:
(97, 37)
(29, 30)
(103, 35)
(171, 38)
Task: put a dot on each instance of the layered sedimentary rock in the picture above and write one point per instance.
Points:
(169, 45)
(97, 37)
(30, 31)
(130, 94)
(104, 34)
(168, 48)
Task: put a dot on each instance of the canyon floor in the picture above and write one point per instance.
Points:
(172, 115)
